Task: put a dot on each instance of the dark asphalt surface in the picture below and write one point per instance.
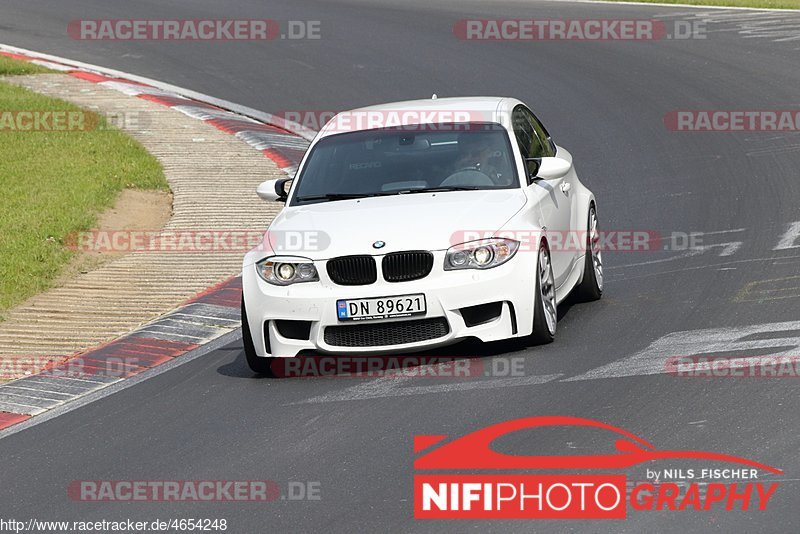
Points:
(212, 419)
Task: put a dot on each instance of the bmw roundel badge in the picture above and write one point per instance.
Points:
(378, 244)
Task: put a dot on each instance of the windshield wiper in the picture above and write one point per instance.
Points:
(436, 190)
(338, 196)
(348, 196)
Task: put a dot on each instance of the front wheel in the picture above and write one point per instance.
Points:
(545, 313)
(257, 364)
(591, 287)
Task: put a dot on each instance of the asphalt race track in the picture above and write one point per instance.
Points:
(211, 419)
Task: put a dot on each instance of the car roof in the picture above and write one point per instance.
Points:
(413, 112)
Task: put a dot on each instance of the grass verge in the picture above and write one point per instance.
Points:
(55, 183)
(770, 4)
(13, 67)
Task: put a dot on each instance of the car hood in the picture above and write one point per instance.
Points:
(419, 221)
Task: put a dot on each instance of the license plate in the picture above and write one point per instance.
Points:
(380, 308)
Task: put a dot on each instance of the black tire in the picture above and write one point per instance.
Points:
(542, 334)
(262, 366)
(589, 289)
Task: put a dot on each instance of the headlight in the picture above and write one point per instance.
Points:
(284, 272)
(483, 254)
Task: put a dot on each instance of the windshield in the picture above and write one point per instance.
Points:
(392, 161)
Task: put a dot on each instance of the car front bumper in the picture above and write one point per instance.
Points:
(311, 306)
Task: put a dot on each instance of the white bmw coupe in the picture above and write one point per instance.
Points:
(433, 221)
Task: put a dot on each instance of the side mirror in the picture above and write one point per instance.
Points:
(547, 168)
(273, 190)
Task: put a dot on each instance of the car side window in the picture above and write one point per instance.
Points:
(529, 144)
(548, 147)
(545, 145)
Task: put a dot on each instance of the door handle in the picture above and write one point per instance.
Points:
(565, 187)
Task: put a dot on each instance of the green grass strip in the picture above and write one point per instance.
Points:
(55, 183)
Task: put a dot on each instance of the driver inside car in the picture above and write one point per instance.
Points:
(477, 154)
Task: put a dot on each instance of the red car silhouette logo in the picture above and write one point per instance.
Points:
(473, 451)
